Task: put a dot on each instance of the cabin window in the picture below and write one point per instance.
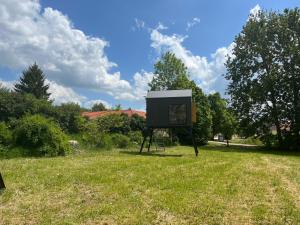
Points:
(177, 114)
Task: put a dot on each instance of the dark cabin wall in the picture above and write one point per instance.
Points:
(158, 111)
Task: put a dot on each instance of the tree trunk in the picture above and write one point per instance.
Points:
(227, 143)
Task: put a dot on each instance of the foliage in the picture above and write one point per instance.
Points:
(136, 137)
(117, 107)
(263, 74)
(114, 123)
(32, 82)
(41, 136)
(137, 123)
(5, 134)
(69, 117)
(15, 105)
(223, 120)
(171, 74)
(98, 107)
(120, 140)
(93, 136)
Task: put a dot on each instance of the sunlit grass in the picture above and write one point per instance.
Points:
(221, 186)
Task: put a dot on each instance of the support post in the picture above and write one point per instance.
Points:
(2, 185)
(150, 141)
(142, 146)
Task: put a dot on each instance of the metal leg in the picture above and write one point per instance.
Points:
(150, 141)
(142, 146)
(2, 185)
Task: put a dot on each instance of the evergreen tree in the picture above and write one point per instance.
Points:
(32, 82)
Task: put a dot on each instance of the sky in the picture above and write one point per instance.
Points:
(104, 51)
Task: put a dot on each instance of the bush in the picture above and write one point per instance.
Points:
(5, 134)
(114, 123)
(43, 137)
(120, 140)
(136, 137)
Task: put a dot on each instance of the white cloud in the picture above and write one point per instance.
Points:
(206, 73)
(161, 26)
(7, 84)
(254, 12)
(141, 81)
(192, 23)
(68, 56)
(89, 104)
(61, 94)
(138, 24)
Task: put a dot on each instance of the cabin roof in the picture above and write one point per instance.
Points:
(169, 94)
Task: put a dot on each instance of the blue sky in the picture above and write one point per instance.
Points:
(105, 50)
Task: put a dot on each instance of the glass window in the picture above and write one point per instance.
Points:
(177, 114)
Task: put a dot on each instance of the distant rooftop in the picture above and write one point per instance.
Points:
(129, 112)
(169, 94)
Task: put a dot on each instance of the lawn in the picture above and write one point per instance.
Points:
(221, 186)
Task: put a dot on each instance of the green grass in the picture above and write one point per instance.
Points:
(250, 141)
(222, 186)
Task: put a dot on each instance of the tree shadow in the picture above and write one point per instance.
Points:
(153, 154)
(249, 149)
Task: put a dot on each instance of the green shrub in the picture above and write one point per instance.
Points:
(136, 137)
(105, 142)
(5, 134)
(120, 140)
(114, 123)
(43, 137)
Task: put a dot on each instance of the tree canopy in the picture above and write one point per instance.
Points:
(171, 74)
(98, 107)
(264, 75)
(32, 82)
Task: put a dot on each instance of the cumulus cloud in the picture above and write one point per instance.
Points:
(68, 56)
(207, 73)
(141, 81)
(61, 94)
(192, 23)
(7, 84)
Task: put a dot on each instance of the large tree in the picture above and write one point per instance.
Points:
(171, 74)
(32, 82)
(263, 74)
(98, 107)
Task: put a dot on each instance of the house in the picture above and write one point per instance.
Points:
(129, 112)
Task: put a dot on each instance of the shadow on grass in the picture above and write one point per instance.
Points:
(153, 154)
(249, 149)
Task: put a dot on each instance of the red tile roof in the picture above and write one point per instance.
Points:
(129, 112)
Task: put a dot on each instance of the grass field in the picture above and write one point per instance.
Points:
(222, 186)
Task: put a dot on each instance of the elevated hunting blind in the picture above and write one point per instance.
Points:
(169, 109)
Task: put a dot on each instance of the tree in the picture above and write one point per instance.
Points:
(171, 74)
(118, 107)
(263, 74)
(69, 117)
(32, 82)
(218, 107)
(98, 107)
